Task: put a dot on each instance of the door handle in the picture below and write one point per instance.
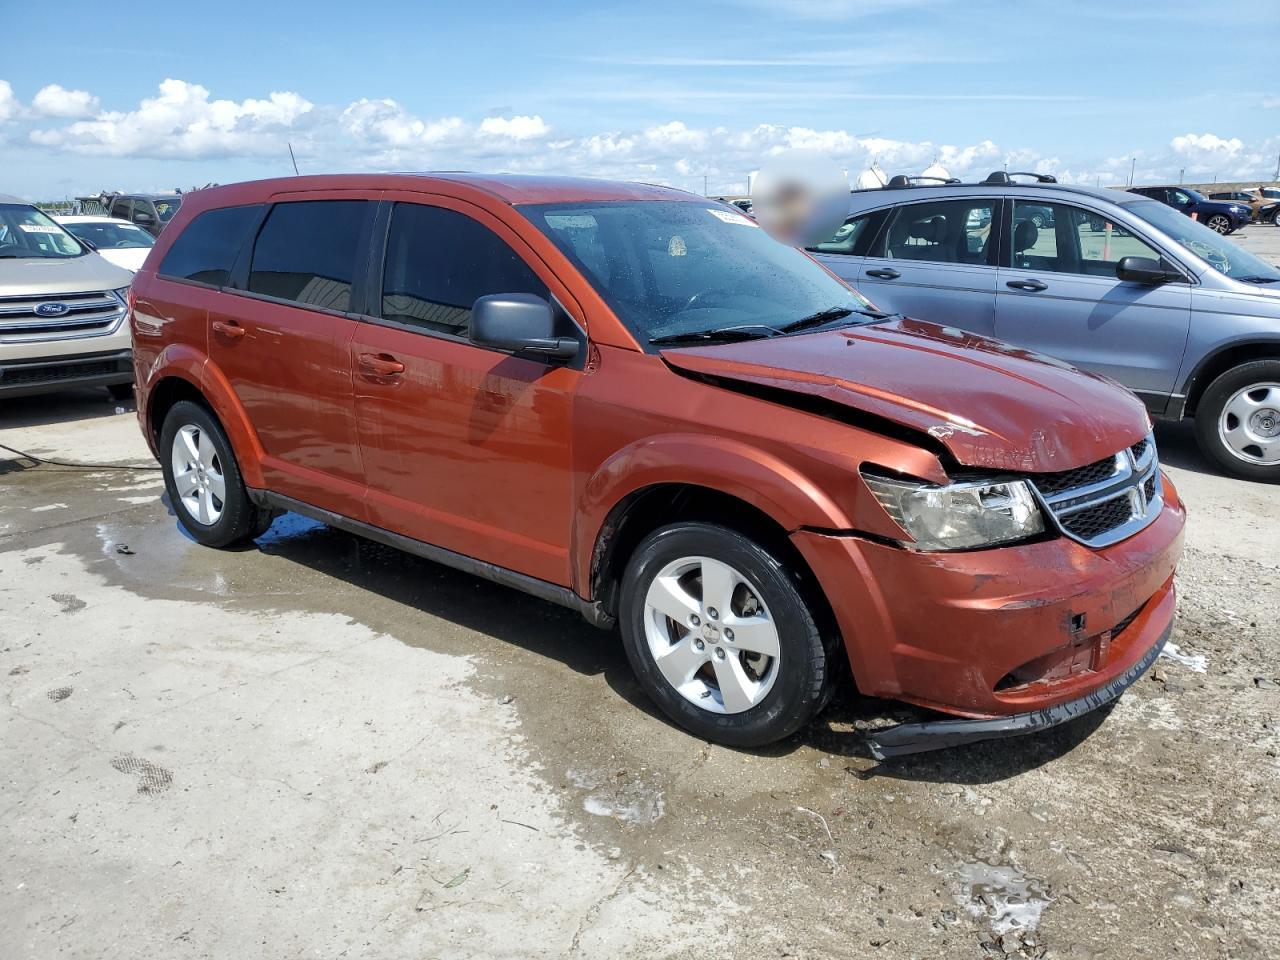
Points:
(380, 365)
(1028, 285)
(884, 273)
(228, 328)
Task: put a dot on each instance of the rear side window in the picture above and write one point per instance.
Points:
(439, 262)
(307, 252)
(943, 231)
(206, 250)
(847, 237)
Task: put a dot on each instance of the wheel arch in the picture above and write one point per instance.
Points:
(1223, 359)
(204, 384)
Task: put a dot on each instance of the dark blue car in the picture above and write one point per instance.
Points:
(1220, 216)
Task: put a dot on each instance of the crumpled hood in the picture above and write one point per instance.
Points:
(992, 405)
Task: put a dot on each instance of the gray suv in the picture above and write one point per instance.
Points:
(1111, 282)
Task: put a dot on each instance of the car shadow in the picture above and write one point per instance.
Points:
(90, 403)
(1177, 446)
(559, 634)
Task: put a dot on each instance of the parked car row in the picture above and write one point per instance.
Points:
(1264, 202)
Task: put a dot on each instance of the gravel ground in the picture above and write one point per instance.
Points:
(322, 747)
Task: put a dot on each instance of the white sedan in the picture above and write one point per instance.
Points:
(119, 241)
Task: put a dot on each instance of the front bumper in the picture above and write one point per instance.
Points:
(34, 375)
(908, 738)
(989, 634)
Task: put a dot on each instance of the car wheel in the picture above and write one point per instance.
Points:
(1238, 421)
(721, 636)
(1038, 220)
(1219, 223)
(203, 479)
(1275, 219)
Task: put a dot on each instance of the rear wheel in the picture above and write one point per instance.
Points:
(1238, 421)
(1219, 223)
(721, 637)
(1275, 218)
(203, 480)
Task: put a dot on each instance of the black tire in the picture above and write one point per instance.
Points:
(121, 392)
(1275, 219)
(239, 519)
(1219, 223)
(803, 681)
(1209, 414)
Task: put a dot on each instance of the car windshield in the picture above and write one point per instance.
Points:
(1214, 249)
(116, 235)
(26, 233)
(674, 267)
(165, 209)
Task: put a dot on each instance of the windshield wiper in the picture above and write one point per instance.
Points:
(748, 331)
(830, 315)
(1259, 279)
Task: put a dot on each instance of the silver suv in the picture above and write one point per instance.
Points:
(1111, 282)
(62, 309)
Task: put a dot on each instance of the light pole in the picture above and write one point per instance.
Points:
(1133, 163)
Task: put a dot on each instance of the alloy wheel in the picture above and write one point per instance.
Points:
(197, 475)
(1219, 224)
(1250, 423)
(711, 635)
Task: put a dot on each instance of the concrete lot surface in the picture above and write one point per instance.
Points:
(321, 747)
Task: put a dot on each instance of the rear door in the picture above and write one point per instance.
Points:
(465, 447)
(1058, 294)
(935, 260)
(282, 341)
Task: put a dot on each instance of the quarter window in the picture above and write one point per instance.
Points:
(1071, 240)
(206, 250)
(945, 231)
(307, 252)
(439, 262)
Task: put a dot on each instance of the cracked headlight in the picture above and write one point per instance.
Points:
(959, 516)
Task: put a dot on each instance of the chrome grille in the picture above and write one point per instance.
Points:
(85, 315)
(1102, 503)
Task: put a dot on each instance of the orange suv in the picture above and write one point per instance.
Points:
(632, 401)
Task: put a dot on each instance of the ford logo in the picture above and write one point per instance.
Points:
(51, 309)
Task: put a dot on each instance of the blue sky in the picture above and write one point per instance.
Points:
(673, 92)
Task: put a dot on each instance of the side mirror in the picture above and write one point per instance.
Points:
(521, 323)
(143, 218)
(87, 244)
(1144, 270)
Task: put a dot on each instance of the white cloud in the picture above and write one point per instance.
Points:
(517, 128)
(1270, 103)
(57, 101)
(1199, 144)
(8, 102)
(182, 122)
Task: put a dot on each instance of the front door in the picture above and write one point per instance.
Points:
(464, 447)
(934, 260)
(282, 341)
(1059, 295)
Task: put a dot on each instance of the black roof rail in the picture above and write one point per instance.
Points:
(1001, 178)
(902, 180)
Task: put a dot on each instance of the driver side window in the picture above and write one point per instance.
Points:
(1061, 238)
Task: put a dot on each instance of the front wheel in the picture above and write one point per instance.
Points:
(1219, 223)
(1238, 421)
(721, 636)
(1275, 218)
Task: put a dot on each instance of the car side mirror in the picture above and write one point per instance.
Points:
(87, 244)
(143, 218)
(1145, 270)
(521, 323)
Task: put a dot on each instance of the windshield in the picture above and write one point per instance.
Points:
(116, 235)
(165, 209)
(671, 267)
(25, 233)
(1214, 249)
